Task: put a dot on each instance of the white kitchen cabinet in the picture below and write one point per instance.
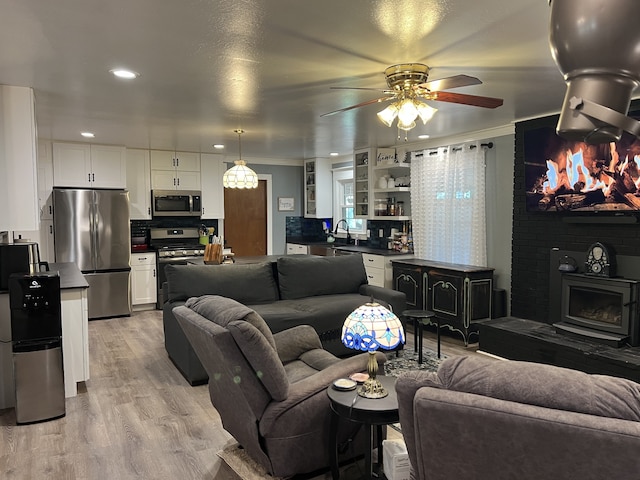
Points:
(45, 243)
(75, 338)
(212, 169)
(295, 248)
(362, 188)
(139, 184)
(45, 180)
(93, 166)
(144, 288)
(379, 268)
(318, 181)
(175, 170)
(18, 155)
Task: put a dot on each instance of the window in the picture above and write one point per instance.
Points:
(343, 204)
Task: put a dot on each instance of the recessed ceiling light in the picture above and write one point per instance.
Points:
(423, 136)
(334, 154)
(218, 146)
(88, 134)
(122, 73)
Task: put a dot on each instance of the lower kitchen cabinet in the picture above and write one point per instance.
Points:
(296, 248)
(143, 281)
(460, 295)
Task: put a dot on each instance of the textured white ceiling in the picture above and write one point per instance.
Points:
(208, 67)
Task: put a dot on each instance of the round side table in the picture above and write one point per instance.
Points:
(372, 413)
(420, 319)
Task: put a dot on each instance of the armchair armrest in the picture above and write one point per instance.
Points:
(293, 342)
(315, 384)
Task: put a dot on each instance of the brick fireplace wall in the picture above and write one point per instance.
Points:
(536, 234)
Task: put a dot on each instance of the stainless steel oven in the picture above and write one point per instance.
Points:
(174, 246)
(176, 203)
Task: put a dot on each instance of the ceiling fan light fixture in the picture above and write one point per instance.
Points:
(425, 112)
(407, 112)
(388, 115)
(240, 176)
(406, 126)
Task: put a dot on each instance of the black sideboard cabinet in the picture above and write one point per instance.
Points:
(460, 295)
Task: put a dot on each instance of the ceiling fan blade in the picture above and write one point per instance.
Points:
(450, 82)
(368, 102)
(388, 92)
(476, 101)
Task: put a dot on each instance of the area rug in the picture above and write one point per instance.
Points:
(244, 466)
(407, 360)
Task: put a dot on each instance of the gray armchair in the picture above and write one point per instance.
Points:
(269, 389)
(487, 419)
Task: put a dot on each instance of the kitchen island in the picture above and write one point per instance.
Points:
(75, 335)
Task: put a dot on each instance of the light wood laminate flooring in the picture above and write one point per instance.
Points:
(136, 418)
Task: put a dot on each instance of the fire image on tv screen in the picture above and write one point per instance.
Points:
(571, 176)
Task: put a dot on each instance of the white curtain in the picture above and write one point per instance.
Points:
(448, 204)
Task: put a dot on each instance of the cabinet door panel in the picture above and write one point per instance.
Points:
(188, 181)
(162, 160)
(139, 184)
(409, 281)
(163, 180)
(108, 166)
(187, 161)
(71, 165)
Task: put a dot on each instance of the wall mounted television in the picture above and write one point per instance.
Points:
(572, 177)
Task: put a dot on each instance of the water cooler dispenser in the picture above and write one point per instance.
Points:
(36, 334)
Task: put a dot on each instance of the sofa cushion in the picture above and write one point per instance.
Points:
(543, 385)
(248, 284)
(306, 276)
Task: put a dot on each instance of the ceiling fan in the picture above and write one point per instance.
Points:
(408, 84)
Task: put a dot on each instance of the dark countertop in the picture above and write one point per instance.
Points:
(371, 250)
(240, 260)
(70, 275)
(458, 267)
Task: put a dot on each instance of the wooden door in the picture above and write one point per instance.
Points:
(245, 220)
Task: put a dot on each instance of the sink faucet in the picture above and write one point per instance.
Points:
(346, 224)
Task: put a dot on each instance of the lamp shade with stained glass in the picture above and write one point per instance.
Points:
(371, 327)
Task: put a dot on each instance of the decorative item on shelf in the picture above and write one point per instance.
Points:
(567, 264)
(240, 176)
(391, 182)
(403, 181)
(368, 328)
(600, 261)
(382, 181)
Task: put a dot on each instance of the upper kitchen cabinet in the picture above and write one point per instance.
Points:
(212, 169)
(175, 170)
(94, 166)
(18, 153)
(361, 181)
(139, 184)
(318, 181)
(390, 183)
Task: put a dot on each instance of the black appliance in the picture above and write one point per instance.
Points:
(174, 246)
(176, 203)
(19, 258)
(36, 335)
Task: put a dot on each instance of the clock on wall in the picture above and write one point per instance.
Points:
(600, 261)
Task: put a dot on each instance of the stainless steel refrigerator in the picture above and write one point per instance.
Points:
(92, 230)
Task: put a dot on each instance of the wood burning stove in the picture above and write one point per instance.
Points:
(601, 309)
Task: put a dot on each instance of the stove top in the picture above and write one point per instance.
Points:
(176, 242)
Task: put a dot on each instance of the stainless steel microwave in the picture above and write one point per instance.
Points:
(176, 203)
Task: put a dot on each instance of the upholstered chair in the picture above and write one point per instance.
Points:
(269, 389)
(480, 418)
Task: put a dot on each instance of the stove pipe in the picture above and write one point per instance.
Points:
(596, 45)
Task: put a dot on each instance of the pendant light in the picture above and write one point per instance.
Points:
(240, 176)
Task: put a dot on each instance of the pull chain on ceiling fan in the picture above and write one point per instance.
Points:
(408, 84)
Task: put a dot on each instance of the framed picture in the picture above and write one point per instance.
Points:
(285, 204)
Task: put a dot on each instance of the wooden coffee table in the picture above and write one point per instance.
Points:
(370, 412)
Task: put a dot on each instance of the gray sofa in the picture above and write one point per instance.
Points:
(293, 290)
(478, 418)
